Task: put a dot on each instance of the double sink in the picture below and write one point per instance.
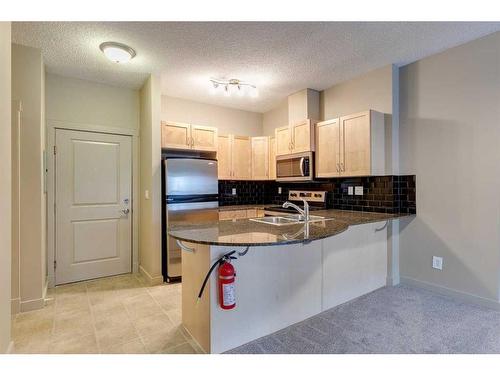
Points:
(288, 219)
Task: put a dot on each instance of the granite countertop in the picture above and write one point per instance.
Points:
(245, 232)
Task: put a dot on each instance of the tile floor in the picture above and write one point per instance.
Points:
(111, 315)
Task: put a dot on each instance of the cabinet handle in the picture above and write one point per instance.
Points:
(338, 167)
(342, 167)
(192, 141)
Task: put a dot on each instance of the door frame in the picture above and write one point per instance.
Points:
(52, 127)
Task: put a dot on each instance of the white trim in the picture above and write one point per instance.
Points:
(10, 348)
(152, 280)
(462, 296)
(52, 125)
(15, 306)
(33, 304)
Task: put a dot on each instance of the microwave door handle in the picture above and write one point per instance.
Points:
(302, 166)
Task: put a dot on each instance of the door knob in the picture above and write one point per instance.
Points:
(126, 211)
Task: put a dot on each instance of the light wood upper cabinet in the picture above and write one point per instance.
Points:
(272, 158)
(357, 146)
(260, 158)
(204, 138)
(224, 166)
(328, 148)
(283, 140)
(176, 135)
(234, 157)
(302, 136)
(353, 145)
(297, 137)
(242, 157)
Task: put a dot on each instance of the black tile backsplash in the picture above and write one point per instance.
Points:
(388, 194)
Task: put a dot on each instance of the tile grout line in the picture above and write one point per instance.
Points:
(92, 318)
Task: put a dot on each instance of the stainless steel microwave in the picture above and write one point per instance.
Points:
(295, 167)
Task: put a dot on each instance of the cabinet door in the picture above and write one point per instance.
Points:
(328, 148)
(302, 136)
(260, 158)
(224, 157)
(272, 158)
(204, 138)
(241, 157)
(175, 135)
(283, 141)
(355, 138)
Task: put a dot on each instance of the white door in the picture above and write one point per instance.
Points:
(93, 203)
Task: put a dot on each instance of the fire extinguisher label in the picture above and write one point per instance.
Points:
(228, 294)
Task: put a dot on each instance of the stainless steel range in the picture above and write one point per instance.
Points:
(316, 200)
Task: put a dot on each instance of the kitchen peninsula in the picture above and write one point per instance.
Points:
(290, 272)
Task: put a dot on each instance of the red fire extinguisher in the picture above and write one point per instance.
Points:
(226, 274)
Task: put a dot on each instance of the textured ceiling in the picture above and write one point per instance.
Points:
(279, 57)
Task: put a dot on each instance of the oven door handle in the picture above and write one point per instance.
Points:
(302, 166)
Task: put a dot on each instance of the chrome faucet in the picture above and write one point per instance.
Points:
(304, 212)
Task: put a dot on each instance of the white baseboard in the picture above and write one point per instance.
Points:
(34, 304)
(462, 296)
(10, 348)
(152, 280)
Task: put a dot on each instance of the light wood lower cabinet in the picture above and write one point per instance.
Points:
(352, 145)
(241, 214)
(180, 136)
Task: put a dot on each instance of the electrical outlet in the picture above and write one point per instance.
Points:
(233, 191)
(350, 190)
(146, 194)
(279, 190)
(437, 263)
(358, 190)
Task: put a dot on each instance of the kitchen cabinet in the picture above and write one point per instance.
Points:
(234, 156)
(328, 148)
(272, 158)
(295, 138)
(260, 158)
(180, 136)
(352, 145)
(241, 214)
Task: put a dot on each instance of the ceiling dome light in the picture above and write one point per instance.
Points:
(117, 52)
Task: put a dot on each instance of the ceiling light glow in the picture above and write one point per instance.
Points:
(117, 52)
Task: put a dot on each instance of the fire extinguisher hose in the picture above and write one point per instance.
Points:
(222, 259)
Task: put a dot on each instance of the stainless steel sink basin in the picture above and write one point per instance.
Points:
(275, 220)
(288, 219)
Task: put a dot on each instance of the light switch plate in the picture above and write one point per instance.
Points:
(358, 190)
(146, 194)
(350, 190)
(233, 191)
(279, 190)
(437, 263)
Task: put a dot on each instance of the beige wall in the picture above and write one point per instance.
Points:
(5, 187)
(275, 118)
(372, 90)
(449, 138)
(79, 101)
(28, 87)
(227, 120)
(150, 215)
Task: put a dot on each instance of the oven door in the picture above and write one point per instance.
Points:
(295, 167)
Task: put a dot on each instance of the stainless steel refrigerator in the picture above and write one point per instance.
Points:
(191, 195)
